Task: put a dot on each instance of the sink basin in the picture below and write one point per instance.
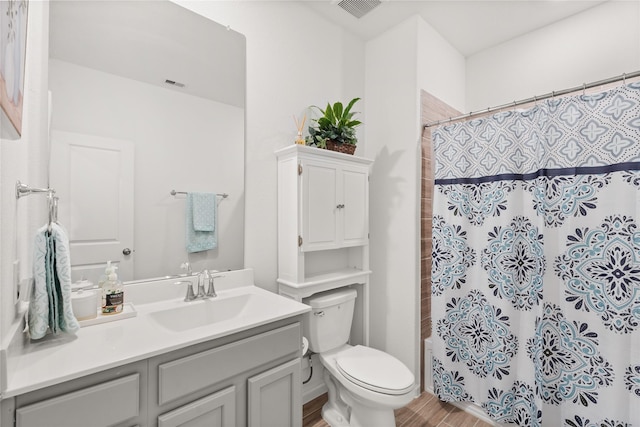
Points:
(195, 314)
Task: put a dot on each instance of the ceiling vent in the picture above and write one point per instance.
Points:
(174, 83)
(359, 8)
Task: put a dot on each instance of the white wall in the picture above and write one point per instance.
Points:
(407, 58)
(441, 68)
(24, 159)
(295, 58)
(599, 43)
(181, 142)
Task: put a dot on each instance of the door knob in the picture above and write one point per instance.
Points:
(126, 251)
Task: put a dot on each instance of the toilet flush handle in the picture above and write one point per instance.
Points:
(318, 313)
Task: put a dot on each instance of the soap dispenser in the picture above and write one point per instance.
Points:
(112, 291)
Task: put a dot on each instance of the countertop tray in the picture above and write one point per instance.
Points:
(127, 311)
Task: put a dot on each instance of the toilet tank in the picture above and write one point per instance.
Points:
(328, 325)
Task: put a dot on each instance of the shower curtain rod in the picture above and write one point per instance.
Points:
(514, 104)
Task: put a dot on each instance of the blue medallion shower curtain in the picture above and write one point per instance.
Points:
(536, 262)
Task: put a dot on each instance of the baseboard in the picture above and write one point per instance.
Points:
(312, 393)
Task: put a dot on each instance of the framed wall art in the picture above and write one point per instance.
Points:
(13, 43)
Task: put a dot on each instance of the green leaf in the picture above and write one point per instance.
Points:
(353, 101)
(329, 114)
(337, 110)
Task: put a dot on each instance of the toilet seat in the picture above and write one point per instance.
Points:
(375, 370)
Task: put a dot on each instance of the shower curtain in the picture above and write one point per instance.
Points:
(536, 262)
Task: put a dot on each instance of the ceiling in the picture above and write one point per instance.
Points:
(470, 26)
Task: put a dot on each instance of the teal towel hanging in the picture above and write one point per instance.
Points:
(201, 219)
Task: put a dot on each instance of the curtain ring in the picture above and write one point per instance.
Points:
(584, 89)
(535, 99)
(624, 78)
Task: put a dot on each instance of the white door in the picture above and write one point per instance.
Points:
(93, 177)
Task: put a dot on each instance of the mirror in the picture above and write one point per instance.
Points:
(147, 97)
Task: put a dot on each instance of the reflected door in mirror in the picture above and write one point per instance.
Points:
(93, 176)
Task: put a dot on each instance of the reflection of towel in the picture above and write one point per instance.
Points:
(50, 301)
(201, 220)
(203, 207)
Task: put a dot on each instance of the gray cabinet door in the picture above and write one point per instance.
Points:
(275, 397)
(215, 410)
(103, 405)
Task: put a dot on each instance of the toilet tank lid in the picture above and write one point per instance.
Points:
(331, 298)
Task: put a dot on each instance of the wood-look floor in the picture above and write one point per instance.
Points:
(424, 411)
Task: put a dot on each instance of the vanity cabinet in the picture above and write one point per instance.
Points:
(251, 378)
(230, 382)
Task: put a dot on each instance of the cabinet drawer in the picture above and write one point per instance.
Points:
(218, 409)
(189, 374)
(102, 405)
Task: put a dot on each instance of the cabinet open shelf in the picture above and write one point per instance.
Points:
(334, 279)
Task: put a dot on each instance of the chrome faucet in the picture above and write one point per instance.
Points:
(190, 296)
(203, 277)
(211, 290)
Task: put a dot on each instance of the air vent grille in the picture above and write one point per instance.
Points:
(174, 83)
(359, 8)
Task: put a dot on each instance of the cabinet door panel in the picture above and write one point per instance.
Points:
(356, 207)
(189, 374)
(105, 405)
(275, 397)
(319, 206)
(215, 410)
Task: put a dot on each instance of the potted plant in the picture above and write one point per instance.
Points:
(335, 129)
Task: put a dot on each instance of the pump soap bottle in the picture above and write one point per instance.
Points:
(112, 291)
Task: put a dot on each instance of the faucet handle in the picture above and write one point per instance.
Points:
(186, 266)
(202, 278)
(190, 295)
(211, 290)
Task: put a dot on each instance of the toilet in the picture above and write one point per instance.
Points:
(364, 385)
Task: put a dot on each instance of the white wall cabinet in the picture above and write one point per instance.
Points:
(334, 204)
(226, 382)
(323, 220)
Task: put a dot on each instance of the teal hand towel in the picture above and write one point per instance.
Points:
(39, 308)
(203, 208)
(201, 213)
(66, 321)
(50, 300)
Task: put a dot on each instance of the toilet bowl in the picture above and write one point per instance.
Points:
(364, 385)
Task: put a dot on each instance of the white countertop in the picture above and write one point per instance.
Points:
(95, 348)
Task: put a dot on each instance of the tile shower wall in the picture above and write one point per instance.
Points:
(431, 109)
